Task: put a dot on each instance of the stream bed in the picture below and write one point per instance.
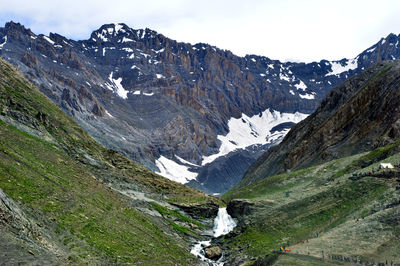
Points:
(223, 224)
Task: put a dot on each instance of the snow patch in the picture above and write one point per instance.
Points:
(145, 55)
(148, 93)
(120, 90)
(5, 40)
(118, 28)
(160, 51)
(284, 77)
(136, 93)
(292, 92)
(124, 39)
(107, 113)
(246, 131)
(129, 50)
(301, 86)
(338, 68)
(49, 40)
(160, 76)
(101, 36)
(308, 96)
(174, 171)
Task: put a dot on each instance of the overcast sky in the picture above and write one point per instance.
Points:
(307, 30)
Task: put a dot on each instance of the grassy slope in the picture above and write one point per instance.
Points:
(61, 179)
(322, 200)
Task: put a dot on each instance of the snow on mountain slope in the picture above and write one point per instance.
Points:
(247, 131)
(4, 41)
(339, 67)
(119, 89)
(174, 171)
(243, 132)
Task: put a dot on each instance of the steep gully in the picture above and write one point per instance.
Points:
(223, 224)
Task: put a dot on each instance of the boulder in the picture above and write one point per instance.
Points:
(213, 252)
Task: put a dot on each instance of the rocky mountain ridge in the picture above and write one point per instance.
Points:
(148, 96)
(360, 115)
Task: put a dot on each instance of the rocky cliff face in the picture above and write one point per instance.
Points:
(361, 114)
(148, 96)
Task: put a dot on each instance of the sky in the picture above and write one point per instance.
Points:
(288, 30)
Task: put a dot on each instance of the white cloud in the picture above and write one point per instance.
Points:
(299, 30)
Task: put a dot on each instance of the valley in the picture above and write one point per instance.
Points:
(133, 148)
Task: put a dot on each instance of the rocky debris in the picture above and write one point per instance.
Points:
(213, 252)
(30, 61)
(12, 215)
(98, 110)
(21, 239)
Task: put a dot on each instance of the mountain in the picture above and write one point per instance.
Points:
(185, 111)
(339, 204)
(65, 199)
(359, 115)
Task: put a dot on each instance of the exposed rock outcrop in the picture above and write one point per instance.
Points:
(209, 210)
(238, 208)
(213, 252)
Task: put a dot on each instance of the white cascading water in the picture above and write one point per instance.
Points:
(223, 224)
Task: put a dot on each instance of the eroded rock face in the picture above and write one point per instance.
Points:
(213, 252)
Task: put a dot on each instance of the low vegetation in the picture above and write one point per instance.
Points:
(318, 213)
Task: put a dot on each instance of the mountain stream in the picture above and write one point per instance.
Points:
(223, 224)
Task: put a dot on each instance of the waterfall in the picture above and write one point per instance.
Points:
(223, 224)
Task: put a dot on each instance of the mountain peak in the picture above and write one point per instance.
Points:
(108, 32)
(16, 26)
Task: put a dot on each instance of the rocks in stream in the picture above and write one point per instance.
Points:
(213, 252)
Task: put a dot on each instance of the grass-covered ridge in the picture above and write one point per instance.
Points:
(323, 208)
(60, 176)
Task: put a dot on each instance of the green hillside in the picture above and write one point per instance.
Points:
(346, 208)
(65, 185)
